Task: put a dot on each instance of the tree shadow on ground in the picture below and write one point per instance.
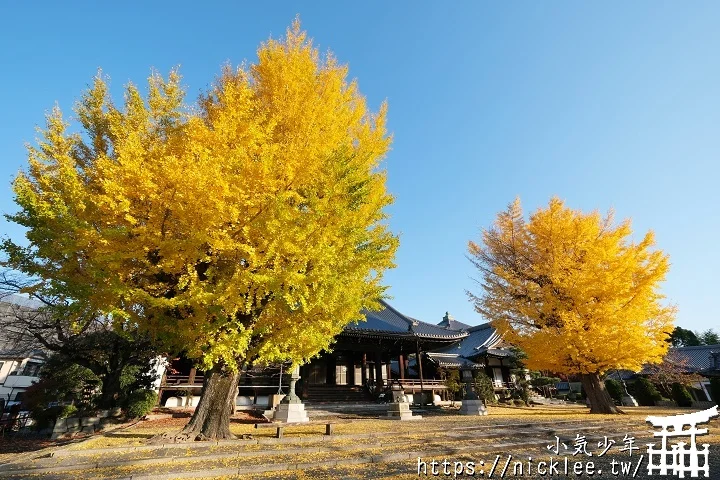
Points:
(127, 435)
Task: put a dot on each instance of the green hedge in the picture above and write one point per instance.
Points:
(645, 392)
(614, 388)
(140, 403)
(681, 396)
(542, 381)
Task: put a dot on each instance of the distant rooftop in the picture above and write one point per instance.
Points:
(450, 323)
(21, 300)
(390, 322)
(696, 359)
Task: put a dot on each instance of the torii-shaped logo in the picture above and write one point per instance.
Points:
(681, 457)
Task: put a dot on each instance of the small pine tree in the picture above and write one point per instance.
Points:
(484, 387)
(451, 380)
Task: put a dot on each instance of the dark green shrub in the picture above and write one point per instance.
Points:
(572, 396)
(46, 417)
(615, 389)
(681, 396)
(715, 389)
(645, 392)
(140, 403)
(484, 387)
(542, 381)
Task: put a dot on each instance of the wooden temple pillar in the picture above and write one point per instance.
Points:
(401, 366)
(363, 369)
(330, 370)
(351, 370)
(378, 370)
(420, 371)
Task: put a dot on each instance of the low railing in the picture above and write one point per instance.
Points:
(415, 383)
(13, 424)
(503, 385)
(245, 381)
(171, 380)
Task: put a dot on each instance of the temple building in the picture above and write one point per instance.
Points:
(365, 359)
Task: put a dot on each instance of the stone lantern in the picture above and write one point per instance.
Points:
(471, 404)
(399, 408)
(291, 409)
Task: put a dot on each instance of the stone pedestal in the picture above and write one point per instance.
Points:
(290, 413)
(473, 407)
(629, 401)
(401, 411)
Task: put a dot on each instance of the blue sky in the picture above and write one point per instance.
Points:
(605, 104)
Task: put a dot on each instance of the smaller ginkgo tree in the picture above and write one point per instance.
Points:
(574, 293)
(247, 228)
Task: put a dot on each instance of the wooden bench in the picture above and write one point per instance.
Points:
(280, 426)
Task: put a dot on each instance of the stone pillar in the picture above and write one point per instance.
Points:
(291, 408)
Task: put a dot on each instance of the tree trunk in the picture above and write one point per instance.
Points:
(110, 389)
(600, 400)
(211, 420)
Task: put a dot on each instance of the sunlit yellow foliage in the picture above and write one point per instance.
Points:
(572, 291)
(248, 227)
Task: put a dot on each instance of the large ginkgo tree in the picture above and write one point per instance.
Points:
(574, 292)
(247, 227)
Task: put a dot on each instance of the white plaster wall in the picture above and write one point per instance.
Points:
(7, 367)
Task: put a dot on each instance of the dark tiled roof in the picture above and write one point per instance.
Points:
(390, 322)
(696, 359)
(621, 374)
(478, 341)
(496, 352)
(452, 361)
